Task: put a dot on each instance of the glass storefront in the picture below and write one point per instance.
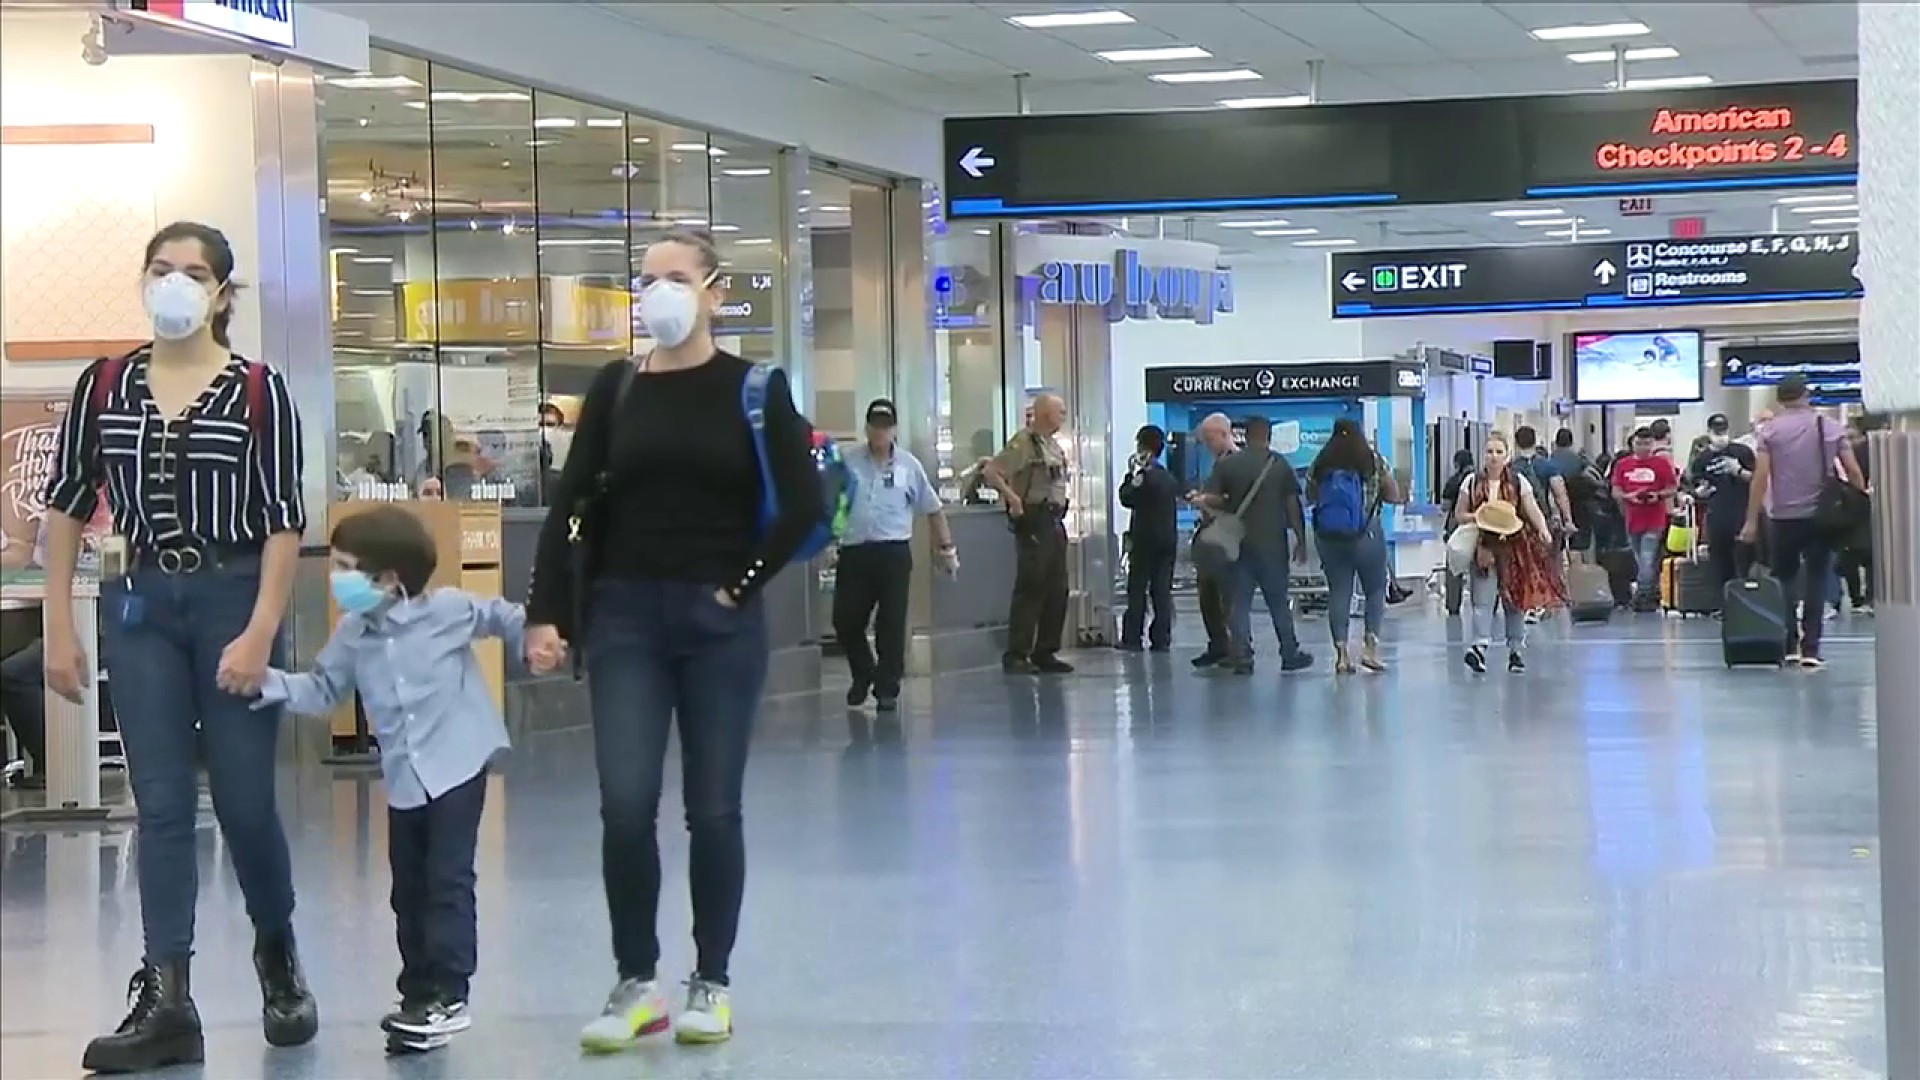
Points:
(483, 238)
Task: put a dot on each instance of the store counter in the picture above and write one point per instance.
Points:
(960, 622)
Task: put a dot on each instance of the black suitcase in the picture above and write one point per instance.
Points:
(1622, 572)
(1589, 593)
(1694, 591)
(1753, 625)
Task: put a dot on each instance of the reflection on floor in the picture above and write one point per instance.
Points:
(1629, 862)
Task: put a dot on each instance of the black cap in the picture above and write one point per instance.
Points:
(1719, 424)
(1791, 388)
(881, 413)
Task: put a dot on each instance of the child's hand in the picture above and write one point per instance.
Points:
(545, 650)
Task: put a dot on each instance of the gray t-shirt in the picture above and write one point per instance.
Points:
(1272, 509)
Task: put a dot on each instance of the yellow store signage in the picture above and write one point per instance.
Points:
(482, 311)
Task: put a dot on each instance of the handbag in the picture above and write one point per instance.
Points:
(1216, 546)
(1844, 511)
(1680, 539)
(1461, 546)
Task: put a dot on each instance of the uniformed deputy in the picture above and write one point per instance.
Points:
(1031, 476)
(875, 568)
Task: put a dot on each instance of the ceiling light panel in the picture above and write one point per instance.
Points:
(1329, 242)
(1590, 31)
(1833, 222)
(1605, 56)
(1847, 207)
(1060, 20)
(1531, 212)
(373, 82)
(1302, 231)
(1288, 101)
(1187, 78)
(1263, 223)
(1148, 56)
(1670, 82)
(1803, 200)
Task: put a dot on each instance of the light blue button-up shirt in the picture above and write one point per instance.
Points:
(888, 494)
(425, 697)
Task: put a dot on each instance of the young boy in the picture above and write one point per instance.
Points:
(409, 653)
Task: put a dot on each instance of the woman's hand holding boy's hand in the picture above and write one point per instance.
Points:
(545, 650)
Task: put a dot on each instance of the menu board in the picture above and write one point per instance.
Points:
(29, 429)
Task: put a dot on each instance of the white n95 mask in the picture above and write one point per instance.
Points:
(177, 306)
(670, 310)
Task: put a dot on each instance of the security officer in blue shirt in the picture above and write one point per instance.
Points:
(875, 569)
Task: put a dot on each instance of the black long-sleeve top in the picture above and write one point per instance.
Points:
(1153, 495)
(216, 474)
(684, 490)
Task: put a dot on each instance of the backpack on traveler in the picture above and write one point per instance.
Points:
(1340, 509)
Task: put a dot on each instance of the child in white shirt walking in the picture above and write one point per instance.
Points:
(409, 654)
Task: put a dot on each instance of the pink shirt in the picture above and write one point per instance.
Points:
(1798, 461)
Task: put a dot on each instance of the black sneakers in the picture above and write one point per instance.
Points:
(162, 1027)
(419, 1026)
(287, 1011)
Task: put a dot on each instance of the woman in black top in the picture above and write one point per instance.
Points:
(663, 488)
(197, 451)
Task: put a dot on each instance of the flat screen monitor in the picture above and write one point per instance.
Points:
(1634, 366)
(1522, 360)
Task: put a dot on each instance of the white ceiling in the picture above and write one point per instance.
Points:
(954, 59)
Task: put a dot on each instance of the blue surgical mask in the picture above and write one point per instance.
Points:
(354, 591)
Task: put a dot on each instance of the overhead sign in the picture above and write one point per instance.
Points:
(269, 22)
(1129, 289)
(1617, 274)
(1636, 206)
(1241, 382)
(1406, 152)
(1831, 368)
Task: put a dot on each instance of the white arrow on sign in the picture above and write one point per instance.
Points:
(1604, 271)
(1353, 280)
(976, 161)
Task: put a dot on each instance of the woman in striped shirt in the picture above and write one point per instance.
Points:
(197, 452)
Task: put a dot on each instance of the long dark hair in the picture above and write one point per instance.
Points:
(1347, 450)
(218, 252)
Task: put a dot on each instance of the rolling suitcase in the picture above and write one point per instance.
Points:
(1590, 596)
(1687, 587)
(1621, 573)
(1753, 625)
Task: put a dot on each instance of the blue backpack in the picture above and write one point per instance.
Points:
(1340, 505)
(837, 483)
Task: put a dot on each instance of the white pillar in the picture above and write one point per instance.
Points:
(1890, 355)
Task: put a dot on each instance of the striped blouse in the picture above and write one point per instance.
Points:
(215, 475)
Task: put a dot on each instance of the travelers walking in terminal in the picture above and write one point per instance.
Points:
(198, 452)
(1463, 468)
(1215, 589)
(1153, 542)
(1722, 478)
(1259, 487)
(1030, 473)
(1531, 461)
(1644, 483)
(1346, 486)
(1853, 556)
(874, 574)
(408, 653)
(651, 563)
(1512, 563)
(1800, 455)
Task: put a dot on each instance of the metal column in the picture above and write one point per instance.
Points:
(1896, 475)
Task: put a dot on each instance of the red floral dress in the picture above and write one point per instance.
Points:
(1523, 562)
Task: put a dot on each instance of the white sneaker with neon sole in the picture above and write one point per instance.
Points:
(634, 1010)
(708, 1017)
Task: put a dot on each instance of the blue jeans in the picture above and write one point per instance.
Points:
(1269, 571)
(161, 642)
(1365, 558)
(657, 650)
(1647, 548)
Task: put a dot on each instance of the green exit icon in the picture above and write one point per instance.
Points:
(1385, 279)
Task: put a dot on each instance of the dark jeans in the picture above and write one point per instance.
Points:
(161, 642)
(430, 853)
(1856, 570)
(657, 651)
(1803, 562)
(1149, 579)
(1270, 571)
(23, 702)
(870, 586)
(1729, 558)
(1215, 607)
(1037, 618)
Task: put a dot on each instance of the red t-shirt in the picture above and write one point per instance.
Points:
(1633, 475)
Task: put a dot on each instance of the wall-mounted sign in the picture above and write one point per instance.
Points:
(1636, 206)
(1831, 368)
(1616, 274)
(748, 308)
(1405, 152)
(269, 22)
(1258, 382)
(1129, 289)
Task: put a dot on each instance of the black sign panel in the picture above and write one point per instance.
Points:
(1604, 275)
(1831, 368)
(1282, 382)
(1462, 150)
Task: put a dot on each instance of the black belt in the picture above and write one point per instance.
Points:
(174, 559)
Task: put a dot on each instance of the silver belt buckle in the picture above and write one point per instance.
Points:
(174, 561)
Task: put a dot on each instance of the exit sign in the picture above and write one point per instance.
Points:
(1687, 228)
(1637, 206)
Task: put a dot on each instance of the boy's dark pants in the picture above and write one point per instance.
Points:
(430, 851)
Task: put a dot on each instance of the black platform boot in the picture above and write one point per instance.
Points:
(287, 1012)
(162, 1027)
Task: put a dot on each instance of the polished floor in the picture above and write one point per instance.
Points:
(1629, 862)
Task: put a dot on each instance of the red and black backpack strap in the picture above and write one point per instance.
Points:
(105, 381)
(257, 399)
